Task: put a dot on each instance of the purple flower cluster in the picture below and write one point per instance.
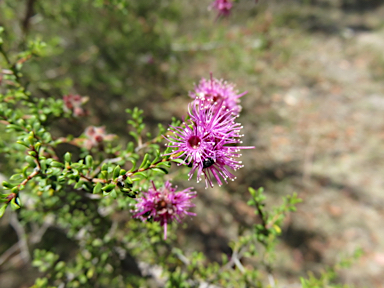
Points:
(207, 141)
(164, 205)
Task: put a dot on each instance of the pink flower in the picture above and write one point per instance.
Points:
(73, 103)
(207, 142)
(95, 136)
(223, 7)
(164, 205)
(216, 91)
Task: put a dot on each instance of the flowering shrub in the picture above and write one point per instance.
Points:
(111, 207)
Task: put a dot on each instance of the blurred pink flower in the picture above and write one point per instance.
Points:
(223, 7)
(95, 136)
(73, 103)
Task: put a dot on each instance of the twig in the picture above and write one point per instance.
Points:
(7, 254)
(30, 176)
(38, 235)
(238, 263)
(154, 140)
(235, 259)
(23, 245)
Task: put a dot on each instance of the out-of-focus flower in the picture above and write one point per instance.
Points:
(218, 91)
(165, 204)
(206, 141)
(223, 7)
(73, 103)
(95, 136)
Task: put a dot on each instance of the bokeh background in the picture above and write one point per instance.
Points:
(314, 72)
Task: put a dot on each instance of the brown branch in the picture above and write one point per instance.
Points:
(28, 15)
(30, 176)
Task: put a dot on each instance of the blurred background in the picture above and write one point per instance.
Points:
(314, 72)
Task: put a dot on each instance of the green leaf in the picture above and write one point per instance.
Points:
(22, 143)
(14, 205)
(25, 171)
(142, 174)
(130, 147)
(178, 160)
(8, 185)
(90, 273)
(60, 265)
(145, 164)
(78, 185)
(37, 146)
(68, 157)
(57, 164)
(89, 161)
(14, 127)
(134, 135)
(104, 174)
(2, 210)
(97, 188)
(16, 189)
(122, 172)
(165, 163)
(157, 157)
(30, 160)
(160, 169)
(16, 177)
(133, 166)
(116, 172)
(104, 167)
(113, 194)
(109, 187)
